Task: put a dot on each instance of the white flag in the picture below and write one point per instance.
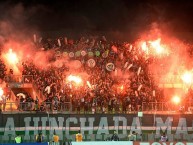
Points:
(129, 66)
(136, 93)
(59, 43)
(130, 48)
(66, 40)
(154, 93)
(139, 88)
(125, 66)
(40, 39)
(88, 83)
(35, 39)
(139, 69)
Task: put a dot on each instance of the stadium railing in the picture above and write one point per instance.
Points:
(12, 107)
(167, 106)
(19, 79)
(68, 107)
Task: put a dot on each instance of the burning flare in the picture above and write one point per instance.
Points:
(11, 57)
(157, 46)
(145, 48)
(176, 99)
(153, 47)
(187, 77)
(76, 79)
(12, 60)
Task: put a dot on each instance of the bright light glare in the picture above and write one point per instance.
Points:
(1, 92)
(11, 57)
(187, 77)
(144, 47)
(121, 88)
(76, 79)
(176, 99)
(157, 46)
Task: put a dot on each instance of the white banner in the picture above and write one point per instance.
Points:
(129, 143)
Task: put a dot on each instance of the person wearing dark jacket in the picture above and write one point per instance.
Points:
(115, 137)
(164, 137)
(39, 138)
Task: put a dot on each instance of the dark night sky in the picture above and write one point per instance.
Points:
(120, 16)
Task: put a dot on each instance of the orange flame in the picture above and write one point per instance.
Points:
(153, 47)
(76, 79)
(157, 46)
(144, 47)
(187, 77)
(11, 57)
(12, 60)
(121, 88)
(176, 99)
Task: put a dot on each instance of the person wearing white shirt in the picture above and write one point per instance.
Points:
(133, 136)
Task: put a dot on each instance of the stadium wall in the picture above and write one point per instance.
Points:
(25, 143)
(31, 124)
(131, 143)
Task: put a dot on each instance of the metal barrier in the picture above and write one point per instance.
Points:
(152, 106)
(164, 106)
(19, 78)
(100, 137)
(68, 107)
(31, 106)
(59, 107)
(10, 106)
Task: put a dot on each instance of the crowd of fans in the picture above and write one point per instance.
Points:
(2, 69)
(106, 92)
(124, 87)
